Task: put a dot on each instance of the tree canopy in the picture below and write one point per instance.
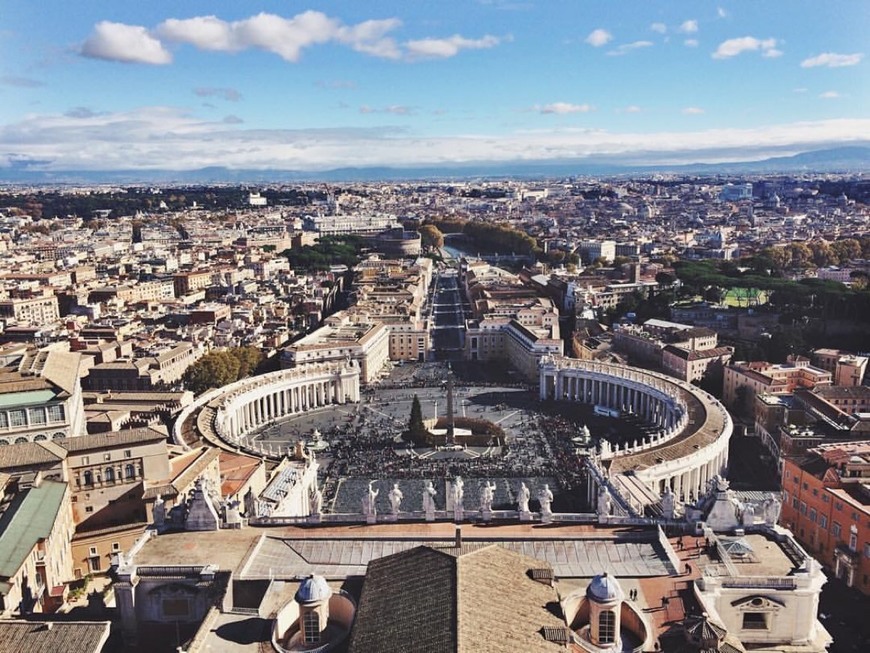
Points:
(220, 368)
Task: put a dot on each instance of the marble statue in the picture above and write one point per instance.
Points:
(368, 501)
(771, 509)
(315, 501)
(395, 497)
(486, 496)
(458, 493)
(523, 497)
(604, 505)
(159, 512)
(748, 516)
(669, 505)
(545, 497)
(429, 500)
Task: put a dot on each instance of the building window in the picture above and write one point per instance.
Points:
(128, 453)
(89, 478)
(311, 627)
(86, 460)
(110, 474)
(4, 421)
(606, 627)
(754, 621)
(853, 541)
(813, 515)
(129, 471)
(867, 549)
(794, 503)
(116, 546)
(823, 521)
(89, 509)
(55, 413)
(107, 456)
(803, 508)
(836, 529)
(825, 498)
(37, 416)
(17, 418)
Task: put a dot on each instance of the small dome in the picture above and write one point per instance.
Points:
(313, 590)
(604, 588)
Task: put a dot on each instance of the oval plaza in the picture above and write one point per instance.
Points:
(687, 448)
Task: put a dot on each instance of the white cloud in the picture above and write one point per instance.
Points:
(733, 47)
(124, 43)
(660, 28)
(692, 111)
(688, 27)
(830, 95)
(20, 82)
(833, 60)
(625, 48)
(336, 84)
(632, 108)
(449, 47)
(158, 138)
(691, 43)
(721, 13)
(286, 37)
(771, 53)
(562, 108)
(228, 94)
(394, 109)
(599, 37)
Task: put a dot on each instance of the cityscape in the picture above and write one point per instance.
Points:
(314, 337)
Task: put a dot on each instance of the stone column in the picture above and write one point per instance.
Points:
(125, 600)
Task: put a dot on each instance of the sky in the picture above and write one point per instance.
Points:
(117, 85)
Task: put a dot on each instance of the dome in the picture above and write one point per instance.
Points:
(604, 588)
(702, 632)
(313, 590)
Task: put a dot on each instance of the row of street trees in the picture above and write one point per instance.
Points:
(218, 368)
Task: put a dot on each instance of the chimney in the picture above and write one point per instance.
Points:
(457, 542)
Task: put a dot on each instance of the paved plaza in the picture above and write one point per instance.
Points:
(362, 442)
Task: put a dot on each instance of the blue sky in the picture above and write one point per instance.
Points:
(317, 85)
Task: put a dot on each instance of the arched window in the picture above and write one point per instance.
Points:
(129, 471)
(606, 627)
(311, 627)
(110, 474)
(89, 478)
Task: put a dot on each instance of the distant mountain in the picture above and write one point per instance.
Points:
(840, 159)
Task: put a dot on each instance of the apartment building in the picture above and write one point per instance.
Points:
(40, 394)
(772, 378)
(32, 311)
(35, 532)
(339, 340)
(826, 504)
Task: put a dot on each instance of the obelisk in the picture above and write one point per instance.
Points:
(450, 423)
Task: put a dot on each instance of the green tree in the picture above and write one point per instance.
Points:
(219, 368)
(846, 249)
(417, 432)
(431, 236)
(214, 370)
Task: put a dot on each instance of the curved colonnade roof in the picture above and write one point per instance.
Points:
(707, 422)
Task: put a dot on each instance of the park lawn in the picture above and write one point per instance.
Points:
(743, 297)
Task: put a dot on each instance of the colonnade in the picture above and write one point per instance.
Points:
(267, 398)
(686, 454)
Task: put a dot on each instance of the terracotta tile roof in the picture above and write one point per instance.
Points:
(482, 600)
(83, 637)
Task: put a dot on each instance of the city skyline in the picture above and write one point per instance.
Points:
(326, 85)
